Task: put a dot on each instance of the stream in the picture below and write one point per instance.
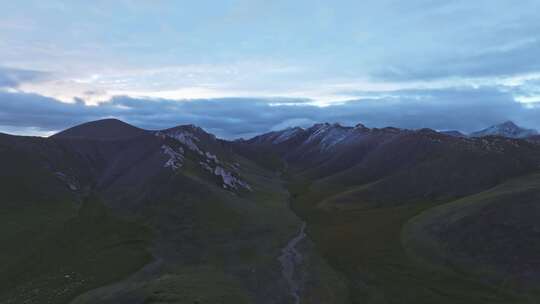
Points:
(290, 258)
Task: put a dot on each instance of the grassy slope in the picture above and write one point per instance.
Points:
(433, 251)
(54, 247)
(366, 246)
(55, 252)
(195, 285)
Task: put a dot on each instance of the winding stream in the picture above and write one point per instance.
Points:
(290, 258)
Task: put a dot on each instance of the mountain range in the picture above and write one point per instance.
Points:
(106, 212)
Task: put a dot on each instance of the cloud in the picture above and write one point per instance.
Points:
(261, 46)
(293, 122)
(508, 61)
(465, 109)
(12, 78)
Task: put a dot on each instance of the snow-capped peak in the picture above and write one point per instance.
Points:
(287, 134)
(506, 129)
(328, 135)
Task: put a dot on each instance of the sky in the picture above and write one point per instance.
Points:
(238, 68)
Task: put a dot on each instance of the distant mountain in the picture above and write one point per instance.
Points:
(402, 164)
(506, 129)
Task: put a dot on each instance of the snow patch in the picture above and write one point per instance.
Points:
(206, 166)
(176, 158)
(328, 135)
(211, 156)
(320, 129)
(229, 180)
(184, 137)
(286, 135)
(71, 182)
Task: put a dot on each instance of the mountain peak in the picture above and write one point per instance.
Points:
(361, 128)
(506, 129)
(190, 128)
(109, 128)
(320, 125)
(509, 124)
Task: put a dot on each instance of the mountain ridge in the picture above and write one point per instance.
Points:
(112, 128)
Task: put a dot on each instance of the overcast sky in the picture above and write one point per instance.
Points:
(238, 68)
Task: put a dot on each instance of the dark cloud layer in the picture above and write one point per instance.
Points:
(465, 109)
